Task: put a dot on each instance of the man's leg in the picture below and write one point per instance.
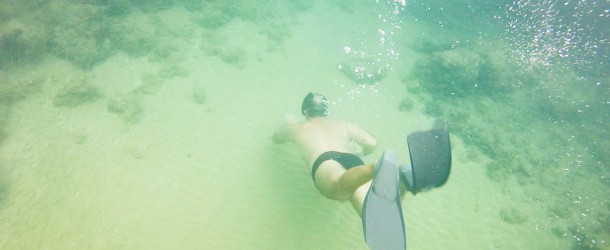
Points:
(340, 185)
(357, 198)
(354, 178)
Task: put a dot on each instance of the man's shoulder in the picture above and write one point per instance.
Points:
(343, 123)
(336, 121)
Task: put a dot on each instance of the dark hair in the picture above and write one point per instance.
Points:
(315, 105)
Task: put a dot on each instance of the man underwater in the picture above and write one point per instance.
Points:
(337, 174)
(375, 189)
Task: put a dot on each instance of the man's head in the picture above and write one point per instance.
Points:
(314, 105)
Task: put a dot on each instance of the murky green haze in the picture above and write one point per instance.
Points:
(147, 124)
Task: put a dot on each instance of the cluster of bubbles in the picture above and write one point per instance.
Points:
(547, 32)
(390, 26)
(372, 64)
(572, 36)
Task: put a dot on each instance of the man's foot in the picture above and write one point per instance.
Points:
(406, 176)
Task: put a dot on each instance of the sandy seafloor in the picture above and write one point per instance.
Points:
(172, 149)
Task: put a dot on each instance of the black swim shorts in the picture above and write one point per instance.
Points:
(346, 160)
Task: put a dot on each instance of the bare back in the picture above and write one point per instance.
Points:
(318, 135)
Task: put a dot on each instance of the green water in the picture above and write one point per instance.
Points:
(147, 124)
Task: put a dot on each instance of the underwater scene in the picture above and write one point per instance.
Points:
(147, 124)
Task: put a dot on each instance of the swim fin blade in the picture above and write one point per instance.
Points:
(382, 218)
(430, 153)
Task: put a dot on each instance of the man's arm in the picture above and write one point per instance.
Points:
(365, 139)
(283, 134)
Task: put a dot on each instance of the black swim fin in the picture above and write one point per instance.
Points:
(430, 153)
(382, 218)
